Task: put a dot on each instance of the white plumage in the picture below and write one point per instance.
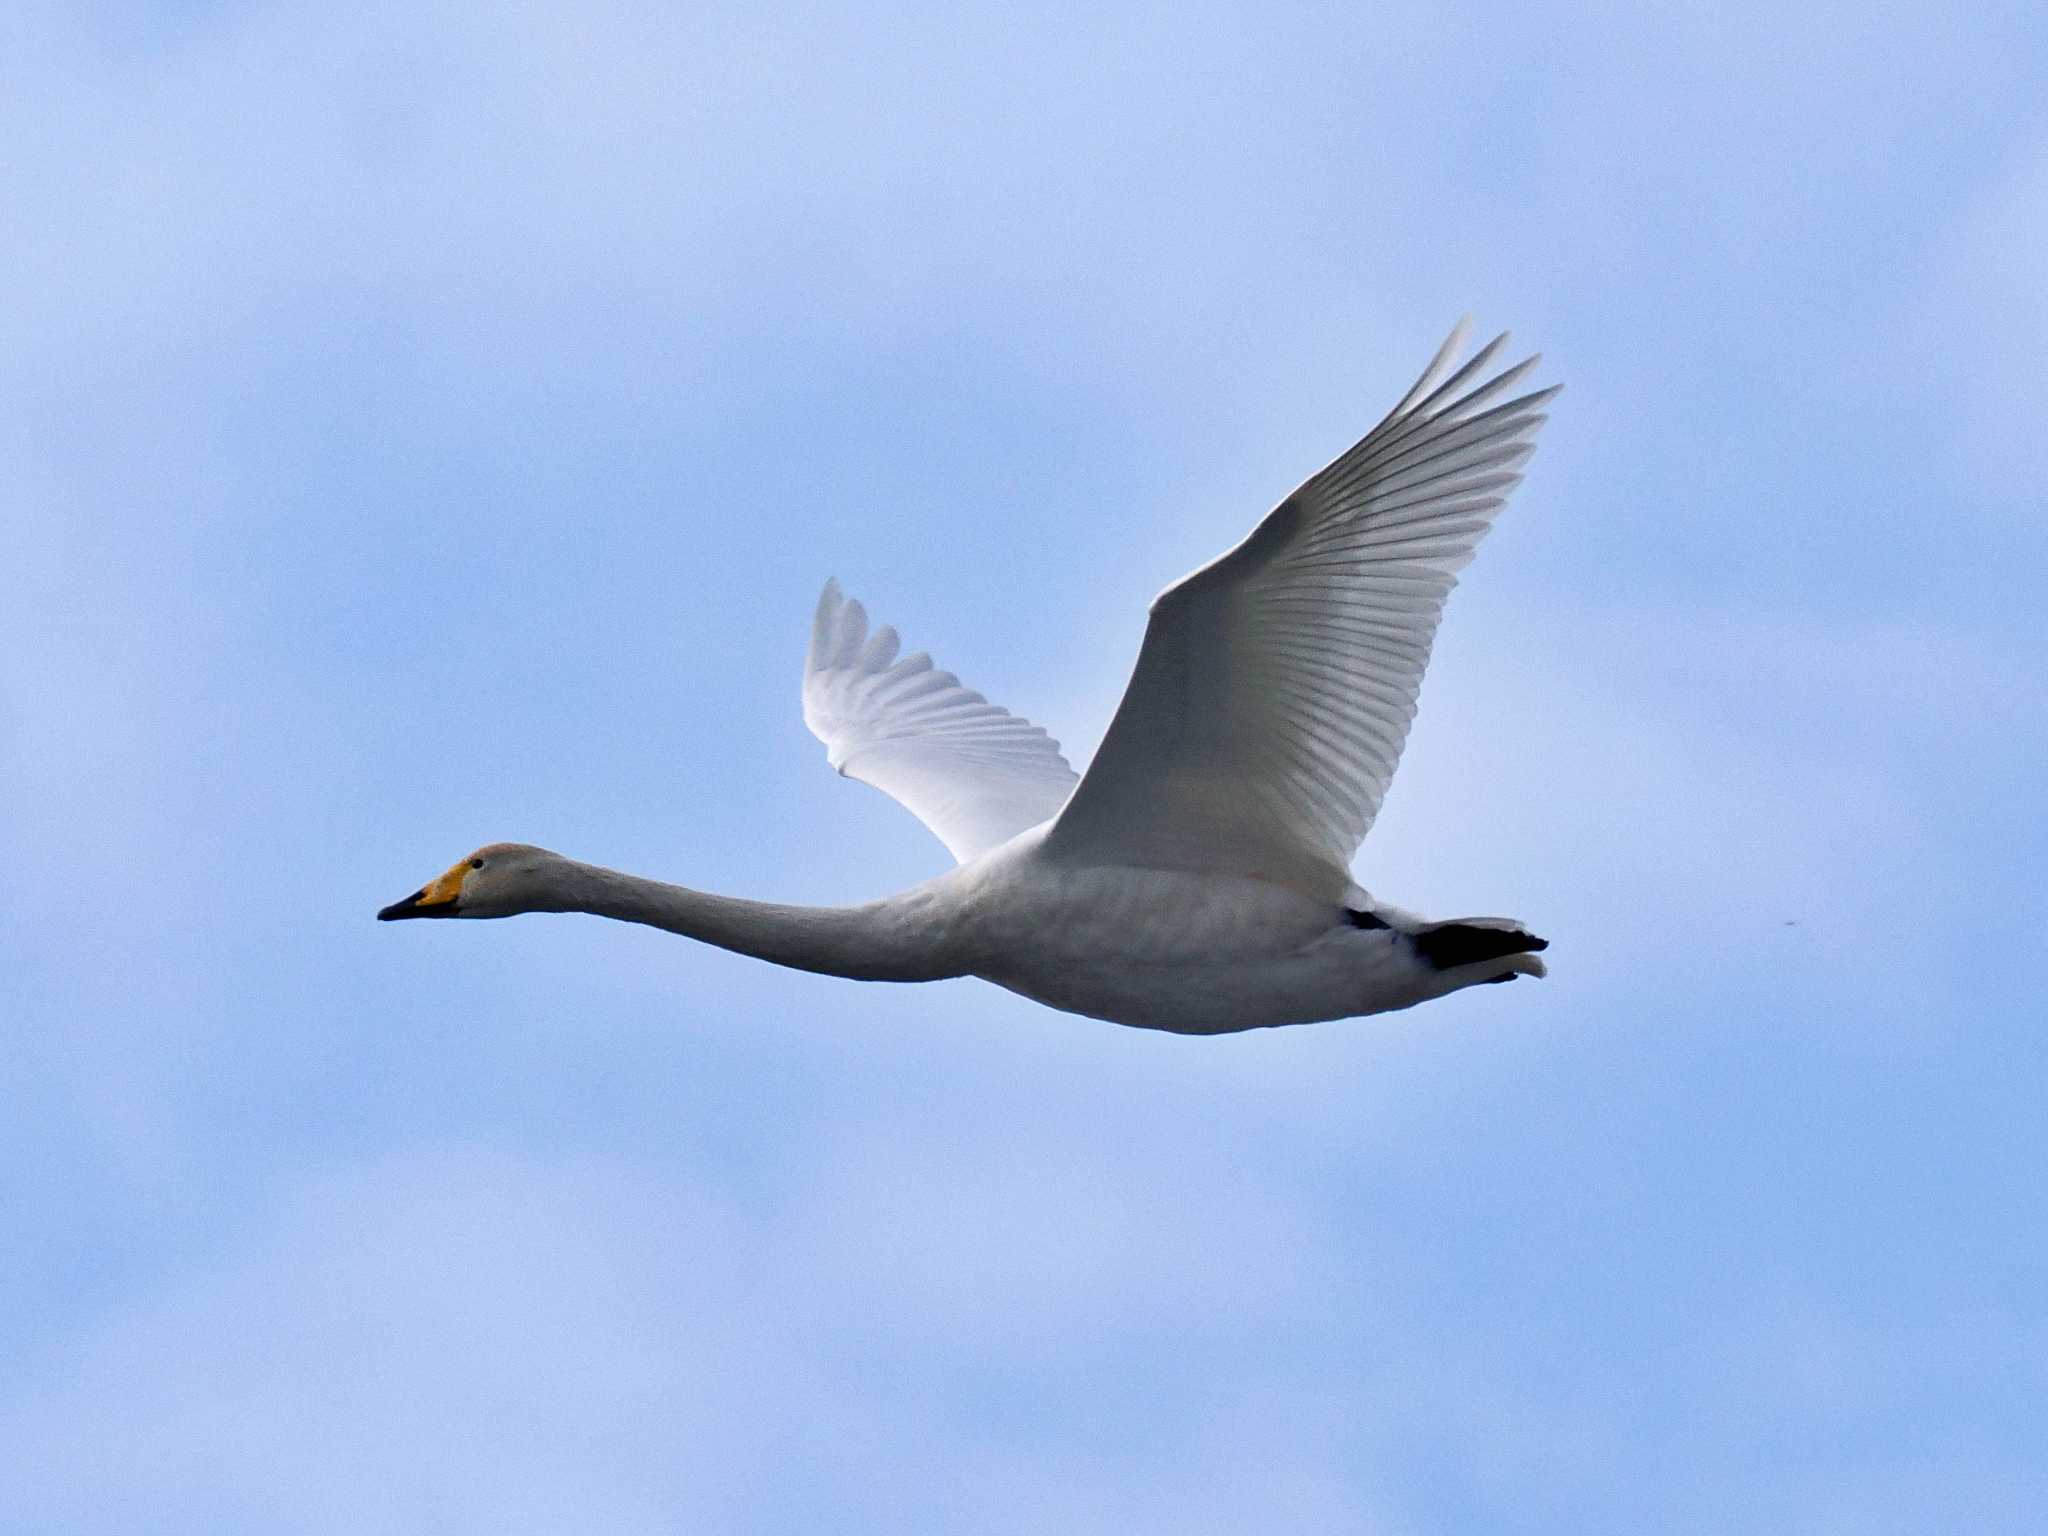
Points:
(1197, 878)
(974, 773)
(1276, 684)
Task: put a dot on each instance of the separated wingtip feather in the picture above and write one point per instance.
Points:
(880, 649)
(822, 623)
(1453, 344)
(1476, 363)
(839, 628)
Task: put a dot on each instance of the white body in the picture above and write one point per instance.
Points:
(1197, 879)
(1169, 949)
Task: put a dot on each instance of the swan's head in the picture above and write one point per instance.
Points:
(498, 880)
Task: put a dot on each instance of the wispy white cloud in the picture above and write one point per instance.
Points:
(1051, 1333)
(1985, 336)
(467, 1339)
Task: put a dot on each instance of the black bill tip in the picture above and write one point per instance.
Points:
(413, 906)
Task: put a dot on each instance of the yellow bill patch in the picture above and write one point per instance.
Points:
(444, 888)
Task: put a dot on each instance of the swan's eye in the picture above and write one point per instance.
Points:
(476, 863)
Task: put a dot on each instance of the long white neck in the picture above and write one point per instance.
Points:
(900, 938)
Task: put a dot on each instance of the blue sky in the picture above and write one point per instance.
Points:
(430, 424)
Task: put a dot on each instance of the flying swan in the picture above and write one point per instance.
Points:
(1197, 878)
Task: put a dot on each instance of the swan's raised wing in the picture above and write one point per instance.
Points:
(1276, 684)
(974, 773)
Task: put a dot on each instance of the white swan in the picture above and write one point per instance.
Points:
(1198, 878)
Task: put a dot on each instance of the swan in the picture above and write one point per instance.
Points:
(1197, 878)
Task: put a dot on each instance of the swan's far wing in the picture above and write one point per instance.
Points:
(1276, 684)
(974, 773)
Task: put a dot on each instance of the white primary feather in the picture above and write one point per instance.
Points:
(1275, 687)
(971, 771)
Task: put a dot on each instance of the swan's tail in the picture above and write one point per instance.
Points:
(1475, 941)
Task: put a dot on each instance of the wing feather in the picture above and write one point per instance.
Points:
(1276, 685)
(971, 771)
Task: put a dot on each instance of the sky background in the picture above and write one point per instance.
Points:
(428, 424)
